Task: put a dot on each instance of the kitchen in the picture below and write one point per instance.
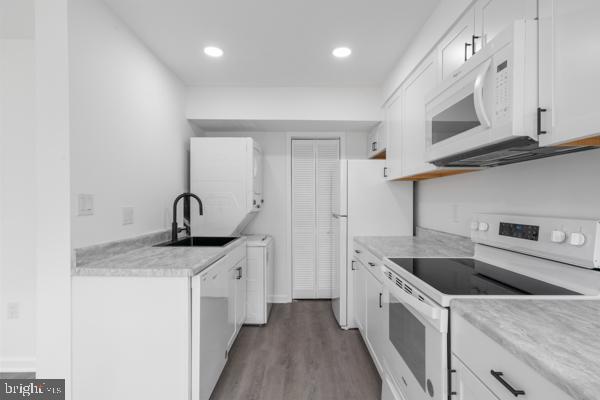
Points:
(391, 202)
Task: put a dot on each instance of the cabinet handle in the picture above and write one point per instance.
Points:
(380, 295)
(352, 265)
(357, 251)
(372, 264)
(374, 146)
(467, 45)
(498, 375)
(539, 121)
(385, 175)
(239, 275)
(473, 38)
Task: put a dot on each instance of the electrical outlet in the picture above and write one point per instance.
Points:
(127, 215)
(86, 205)
(455, 217)
(12, 310)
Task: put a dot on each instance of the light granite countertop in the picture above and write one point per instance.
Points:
(138, 257)
(557, 338)
(427, 243)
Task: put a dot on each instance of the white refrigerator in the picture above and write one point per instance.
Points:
(364, 203)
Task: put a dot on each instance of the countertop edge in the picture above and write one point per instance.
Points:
(166, 272)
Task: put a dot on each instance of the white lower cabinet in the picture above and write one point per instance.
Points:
(375, 317)
(360, 293)
(466, 386)
(494, 367)
(156, 338)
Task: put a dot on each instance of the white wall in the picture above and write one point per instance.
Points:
(129, 134)
(53, 231)
(285, 103)
(563, 186)
(17, 204)
(272, 219)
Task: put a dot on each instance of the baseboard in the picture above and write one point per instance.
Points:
(280, 298)
(17, 364)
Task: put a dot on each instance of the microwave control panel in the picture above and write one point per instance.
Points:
(503, 92)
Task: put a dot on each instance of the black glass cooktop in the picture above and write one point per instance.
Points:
(467, 276)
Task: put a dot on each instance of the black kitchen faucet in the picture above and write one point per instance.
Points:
(174, 228)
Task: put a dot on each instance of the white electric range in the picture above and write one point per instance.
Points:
(520, 257)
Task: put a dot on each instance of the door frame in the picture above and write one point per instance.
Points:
(290, 136)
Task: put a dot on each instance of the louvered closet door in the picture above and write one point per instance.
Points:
(314, 170)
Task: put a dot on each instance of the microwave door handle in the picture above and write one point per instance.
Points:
(478, 95)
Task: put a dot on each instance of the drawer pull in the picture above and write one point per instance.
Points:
(357, 251)
(372, 264)
(498, 376)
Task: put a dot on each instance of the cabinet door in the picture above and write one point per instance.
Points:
(414, 126)
(455, 47)
(393, 119)
(466, 385)
(569, 65)
(493, 16)
(359, 295)
(231, 331)
(240, 294)
(375, 334)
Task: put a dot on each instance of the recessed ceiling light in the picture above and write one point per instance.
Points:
(213, 51)
(341, 52)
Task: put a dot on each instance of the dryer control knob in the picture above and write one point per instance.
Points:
(577, 239)
(483, 226)
(558, 236)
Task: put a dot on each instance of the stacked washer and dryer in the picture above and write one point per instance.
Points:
(226, 173)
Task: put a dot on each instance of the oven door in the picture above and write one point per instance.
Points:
(457, 114)
(416, 346)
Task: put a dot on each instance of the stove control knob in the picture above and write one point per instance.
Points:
(483, 226)
(558, 236)
(474, 225)
(577, 239)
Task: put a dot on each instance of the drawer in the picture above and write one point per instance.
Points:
(482, 355)
(372, 263)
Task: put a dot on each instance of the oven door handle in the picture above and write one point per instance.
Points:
(478, 94)
(432, 313)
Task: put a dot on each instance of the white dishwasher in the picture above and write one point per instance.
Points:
(260, 279)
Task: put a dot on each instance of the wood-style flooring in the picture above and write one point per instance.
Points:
(301, 354)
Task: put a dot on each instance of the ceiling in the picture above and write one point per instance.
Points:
(276, 42)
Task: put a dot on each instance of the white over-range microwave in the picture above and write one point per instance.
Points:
(487, 113)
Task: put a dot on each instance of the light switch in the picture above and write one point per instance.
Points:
(127, 215)
(86, 204)
(12, 310)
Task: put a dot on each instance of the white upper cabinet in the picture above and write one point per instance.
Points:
(569, 64)
(493, 16)
(456, 47)
(376, 141)
(393, 121)
(414, 127)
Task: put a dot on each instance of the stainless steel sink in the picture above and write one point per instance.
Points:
(200, 241)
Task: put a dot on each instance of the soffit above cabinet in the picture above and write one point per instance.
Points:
(238, 125)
